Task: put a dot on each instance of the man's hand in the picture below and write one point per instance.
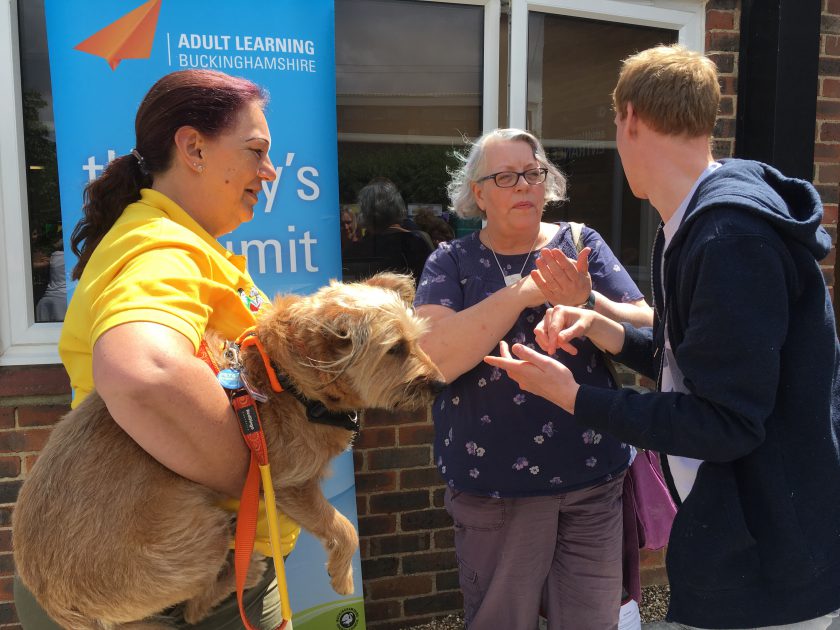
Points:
(560, 325)
(561, 279)
(538, 374)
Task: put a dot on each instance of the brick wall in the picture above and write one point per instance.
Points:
(723, 18)
(32, 399)
(408, 557)
(827, 140)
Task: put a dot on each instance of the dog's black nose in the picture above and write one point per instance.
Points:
(437, 386)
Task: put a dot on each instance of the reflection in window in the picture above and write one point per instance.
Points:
(573, 65)
(46, 238)
(408, 90)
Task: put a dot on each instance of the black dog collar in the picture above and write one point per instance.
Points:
(316, 411)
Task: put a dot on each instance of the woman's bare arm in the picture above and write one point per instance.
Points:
(458, 341)
(170, 403)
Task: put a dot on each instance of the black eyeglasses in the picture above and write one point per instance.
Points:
(508, 179)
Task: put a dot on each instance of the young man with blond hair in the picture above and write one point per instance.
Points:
(745, 354)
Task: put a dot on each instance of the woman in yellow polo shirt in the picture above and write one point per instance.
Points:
(152, 278)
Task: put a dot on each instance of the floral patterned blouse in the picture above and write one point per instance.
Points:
(491, 438)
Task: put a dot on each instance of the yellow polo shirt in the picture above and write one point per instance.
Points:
(156, 264)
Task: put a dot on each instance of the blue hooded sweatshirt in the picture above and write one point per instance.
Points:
(757, 540)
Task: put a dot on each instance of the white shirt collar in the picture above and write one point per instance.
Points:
(673, 224)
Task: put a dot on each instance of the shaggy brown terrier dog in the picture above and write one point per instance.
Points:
(104, 535)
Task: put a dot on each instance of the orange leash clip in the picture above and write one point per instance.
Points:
(249, 338)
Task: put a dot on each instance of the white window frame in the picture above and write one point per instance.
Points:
(22, 341)
(688, 17)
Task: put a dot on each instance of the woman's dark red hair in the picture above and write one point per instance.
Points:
(206, 100)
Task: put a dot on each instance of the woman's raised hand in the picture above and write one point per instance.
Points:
(528, 292)
(563, 280)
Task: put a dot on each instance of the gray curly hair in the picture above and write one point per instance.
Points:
(460, 185)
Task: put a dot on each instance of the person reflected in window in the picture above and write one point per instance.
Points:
(435, 226)
(41, 247)
(386, 244)
(53, 304)
(349, 228)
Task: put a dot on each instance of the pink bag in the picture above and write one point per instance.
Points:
(652, 501)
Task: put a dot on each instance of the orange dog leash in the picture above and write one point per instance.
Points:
(250, 426)
(246, 522)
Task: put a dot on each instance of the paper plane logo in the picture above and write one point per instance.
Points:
(130, 37)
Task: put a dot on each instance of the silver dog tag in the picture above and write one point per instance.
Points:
(256, 395)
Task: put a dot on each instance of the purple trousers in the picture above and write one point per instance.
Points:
(559, 553)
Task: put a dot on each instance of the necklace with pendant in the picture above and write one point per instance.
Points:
(512, 278)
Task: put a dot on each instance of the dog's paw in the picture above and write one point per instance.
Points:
(342, 581)
(340, 550)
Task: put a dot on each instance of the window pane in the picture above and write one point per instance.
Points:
(408, 89)
(572, 69)
(408, 68)
(47, 248)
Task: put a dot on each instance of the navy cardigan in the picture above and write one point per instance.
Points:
(757, 540)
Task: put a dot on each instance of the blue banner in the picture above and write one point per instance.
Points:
(106, 54)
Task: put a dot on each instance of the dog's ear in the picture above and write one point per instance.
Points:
(402, 284)
(338, 329)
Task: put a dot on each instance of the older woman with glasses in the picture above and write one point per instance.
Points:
(536, 501)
